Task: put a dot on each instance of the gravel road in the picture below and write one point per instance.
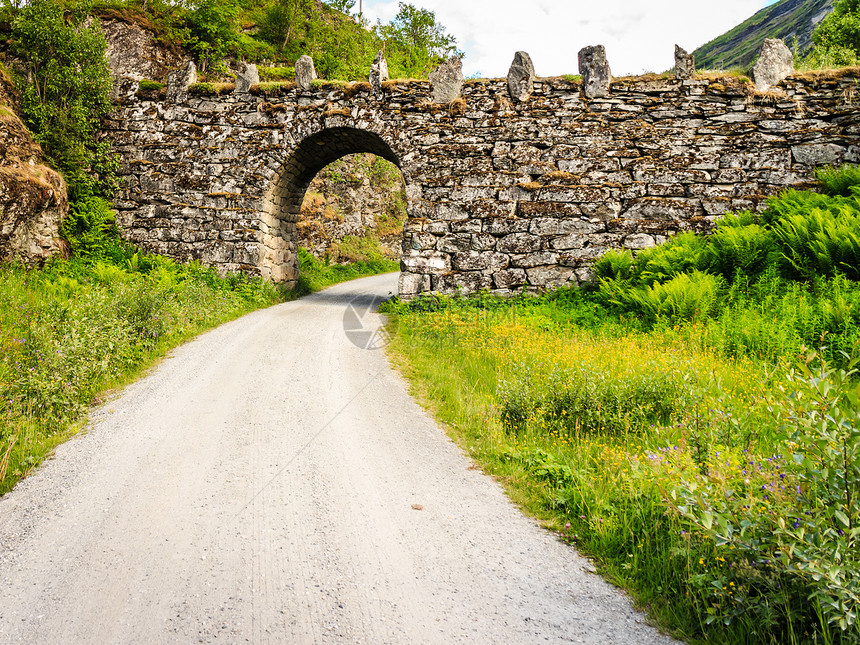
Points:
(272, 482)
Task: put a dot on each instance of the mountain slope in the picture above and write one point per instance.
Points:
(787, 19)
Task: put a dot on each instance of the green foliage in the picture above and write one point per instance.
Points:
(837, 37)
(277, 73)
(838, 181)
(66, 93)
(820, 242)
(315, 274)
(280, 20)
(213, 31)
(803, 543)
(614, 265)
(546, 399)
(92, 232)
(415, 42)
(738, 246)
(687, 297)
(147, 85)
(344, 6)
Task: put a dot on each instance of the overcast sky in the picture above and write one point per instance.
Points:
(639, 35)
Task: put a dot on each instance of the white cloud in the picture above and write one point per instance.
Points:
(639, 36)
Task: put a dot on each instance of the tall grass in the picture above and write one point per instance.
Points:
(673, 422)
(77, 327)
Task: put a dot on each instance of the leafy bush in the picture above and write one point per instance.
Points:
(800, 541)
(66, 93)
(838, 181)
(820, 242)
(92, 232)
(738, 246)
(587, 400)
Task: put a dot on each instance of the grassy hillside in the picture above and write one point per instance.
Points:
(787, 19)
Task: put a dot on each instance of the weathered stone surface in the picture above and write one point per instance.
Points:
(180, 80)
(32, 195)
(775, 63)
(553, 183)
(521, 77)
(124, 88)
(306, 73)
(246, 76)
(134, 52)
(446, 81)
(594, 68)
(685, 64)
(378, 74)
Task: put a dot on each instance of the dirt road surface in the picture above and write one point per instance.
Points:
(273, 482)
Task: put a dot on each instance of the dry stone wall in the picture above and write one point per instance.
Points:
(501, 194)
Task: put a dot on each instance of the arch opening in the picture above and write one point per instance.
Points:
(283, 200)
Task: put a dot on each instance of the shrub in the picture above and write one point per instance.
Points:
(738, 246)
(795, 547)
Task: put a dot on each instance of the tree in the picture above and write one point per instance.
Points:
(281, 19)
(837, 37)
(213, 30)
(66, 93)
(415, 42)
(344, 6)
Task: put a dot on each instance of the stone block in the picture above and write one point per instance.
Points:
(306, 73)
(246, 76)
(549, 277)
(521, 77)
(509, 278)
(685, 65)
(775, 63)
(519, 243)
(479, 260)
(594, 68)
(446, 81)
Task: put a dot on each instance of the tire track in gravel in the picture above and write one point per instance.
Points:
(258, 486)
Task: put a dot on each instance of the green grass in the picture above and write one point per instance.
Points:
(77, 328)
(672, 422)
(317, 274)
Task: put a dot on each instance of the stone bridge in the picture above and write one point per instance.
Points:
(504, 189)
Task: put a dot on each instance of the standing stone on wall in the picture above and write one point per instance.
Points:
(179, 81)
(305, 72)
(378, 74)
(685, 64)
(521, 77)
(246, 77)
(447, 80)
(775, 62)
(596, 75)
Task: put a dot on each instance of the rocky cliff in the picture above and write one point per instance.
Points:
(32, 196)
(354, 206)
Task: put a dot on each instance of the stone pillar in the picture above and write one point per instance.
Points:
(180, 80)
(246, 77)
(446, 81)
(775, 62)
(521, 77)
(378, 74)
(685, 64)
(596, 75)
(305, 72)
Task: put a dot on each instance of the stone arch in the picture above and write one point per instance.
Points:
(283, 200)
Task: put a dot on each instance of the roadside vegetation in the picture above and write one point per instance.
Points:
(78, 327)
(691, 420)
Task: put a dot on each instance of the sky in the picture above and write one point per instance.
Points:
(639, 35)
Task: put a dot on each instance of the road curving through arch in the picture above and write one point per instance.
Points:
(273, 482)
